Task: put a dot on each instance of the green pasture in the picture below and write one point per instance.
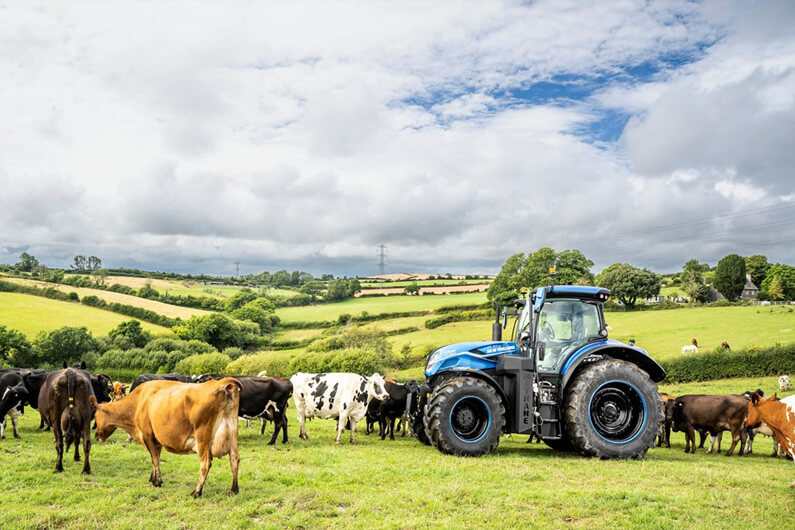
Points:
(420, 283)
(377, 305)
(31, 314)
(393, 484)
(663, 333)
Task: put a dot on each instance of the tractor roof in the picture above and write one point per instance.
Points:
(577, 291)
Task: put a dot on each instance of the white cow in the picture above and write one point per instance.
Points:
(784, 383)
(342, 396)
(689, 349)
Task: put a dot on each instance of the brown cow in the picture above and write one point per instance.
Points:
(118, 392)
(711, 413)
(183, 418)
(778, 416)
(65, 403)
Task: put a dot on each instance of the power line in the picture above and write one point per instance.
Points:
(381, 259)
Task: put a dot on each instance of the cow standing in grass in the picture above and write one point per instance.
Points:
(342, 396)
(180, 417)
(64, 401)
(779, 416)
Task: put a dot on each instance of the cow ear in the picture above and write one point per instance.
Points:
(755, 398)
(774, 397)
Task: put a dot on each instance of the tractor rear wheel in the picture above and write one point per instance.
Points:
(464, 417)
(612, 410)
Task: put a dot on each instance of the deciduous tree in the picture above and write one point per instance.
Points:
(730, 276)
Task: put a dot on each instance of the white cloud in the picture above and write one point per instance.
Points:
(304, 134)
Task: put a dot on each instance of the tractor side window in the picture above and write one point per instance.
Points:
(564, 326)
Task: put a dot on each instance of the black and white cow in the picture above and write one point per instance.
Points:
(266, 398)
(13, 396)
(342, 396)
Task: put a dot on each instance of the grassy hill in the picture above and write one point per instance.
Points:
(377, 305)
(31, 314)
(402, 483)
(168, 310)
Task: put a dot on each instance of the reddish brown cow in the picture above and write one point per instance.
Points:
(710, 413)
(183, 418)
(778, 416)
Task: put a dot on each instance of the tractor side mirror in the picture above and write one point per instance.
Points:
(541, 349)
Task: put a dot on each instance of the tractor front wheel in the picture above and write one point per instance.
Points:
(612, 410)
(464, 417)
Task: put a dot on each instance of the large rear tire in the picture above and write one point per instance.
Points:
(612, 410)
(464, 417)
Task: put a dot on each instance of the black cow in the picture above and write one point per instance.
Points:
(13, 396)
(396, 405)
(266, 398)
(64, 402)
(143, 378)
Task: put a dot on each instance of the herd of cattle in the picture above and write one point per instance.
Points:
(200, 414)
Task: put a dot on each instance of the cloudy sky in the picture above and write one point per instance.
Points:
(188, 136)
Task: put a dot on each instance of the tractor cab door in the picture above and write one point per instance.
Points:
(563, 326)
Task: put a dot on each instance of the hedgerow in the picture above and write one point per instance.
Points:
(721, 364)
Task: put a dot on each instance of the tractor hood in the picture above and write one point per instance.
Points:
(480, 355)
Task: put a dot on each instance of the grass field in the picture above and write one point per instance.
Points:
(31, 314)
(391, 484)
(168, 310)
(420, 283)
(374, 306)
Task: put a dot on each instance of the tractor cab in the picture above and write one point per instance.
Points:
(555, 322)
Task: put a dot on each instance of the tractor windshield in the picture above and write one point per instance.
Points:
(565, 325)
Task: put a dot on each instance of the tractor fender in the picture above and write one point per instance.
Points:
(455, 372)
(614, 350)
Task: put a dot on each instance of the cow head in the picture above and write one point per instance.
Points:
(12, 397)
(102, 385)
(754, 417)
(376, 387)
(102, 418)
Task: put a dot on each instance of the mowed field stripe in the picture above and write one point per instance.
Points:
(31, 314)
(161, 308)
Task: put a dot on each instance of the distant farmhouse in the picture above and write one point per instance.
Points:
(750, 291)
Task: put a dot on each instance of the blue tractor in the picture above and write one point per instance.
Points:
(560, 379)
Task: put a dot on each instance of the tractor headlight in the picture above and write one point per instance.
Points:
(438, 356)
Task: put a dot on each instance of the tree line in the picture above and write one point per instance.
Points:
(630, 284)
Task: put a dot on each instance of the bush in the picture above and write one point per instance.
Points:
(206, 363)
(353, 360)
(253, 311)
(216, 329)
(276, 366)
(721, 364)
(233, 352)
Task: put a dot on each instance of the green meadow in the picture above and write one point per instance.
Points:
(31, 314)
(396, 484)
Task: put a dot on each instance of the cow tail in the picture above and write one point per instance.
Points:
(71, 383)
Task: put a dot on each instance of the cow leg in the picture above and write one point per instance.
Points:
(749, 445)
(284, 427)
(690, 440)
(205, 463)
(776, 448)
(14, 425)
(735, 439)
(383, 427)
(234, 465)
(86, 448)
(703, 437)
(154, 452)
(341, 421)
(3, 429)
(302, 424)
(353, 431)
(58, 435)
(262, 426)
(77, 447)
(392, 428)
